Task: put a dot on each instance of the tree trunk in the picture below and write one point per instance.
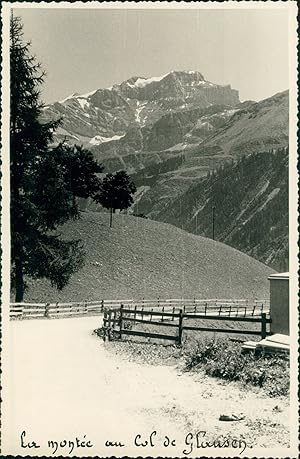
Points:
(19, 281)
(110, 217)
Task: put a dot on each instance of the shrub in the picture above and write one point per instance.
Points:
(201, 352)
(224, 359)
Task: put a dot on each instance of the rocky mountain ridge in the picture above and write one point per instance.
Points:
(107, 114)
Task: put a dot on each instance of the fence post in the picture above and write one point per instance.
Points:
(109, 324)
(263, 325)
(229, 310)
(47, 310)
(134, 314)
(179, 339)
(102, 305)
(104, 325)
(162, 316)
(121, 319)
(173, 312)
(205, 309)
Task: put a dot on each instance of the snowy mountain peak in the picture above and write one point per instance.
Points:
(187, 77)
(104, 115)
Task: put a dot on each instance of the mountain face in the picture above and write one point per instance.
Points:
(146, 121)
(169, 132)
(250, 201)
(252, 128)
(106, 115)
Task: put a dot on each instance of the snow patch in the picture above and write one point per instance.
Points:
(142, 82)
(79, 97)
(177, 147)
(83, 102)
(203, 83)
(98, 139)
(140, 107)
(72, 96)
(88, 94)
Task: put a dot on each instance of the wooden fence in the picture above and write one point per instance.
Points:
(213, 307)
(198, 305)
(59, 310)
(116, 321)
(226, 307)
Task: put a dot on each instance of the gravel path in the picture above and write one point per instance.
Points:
(65, 382)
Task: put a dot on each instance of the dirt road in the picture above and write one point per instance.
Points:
(64, 383)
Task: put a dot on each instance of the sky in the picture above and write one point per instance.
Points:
(86, 49)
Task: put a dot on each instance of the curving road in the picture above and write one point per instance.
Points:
(64, 382)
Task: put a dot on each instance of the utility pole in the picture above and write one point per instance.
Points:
(213, 222)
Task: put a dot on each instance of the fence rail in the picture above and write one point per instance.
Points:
(225, 307)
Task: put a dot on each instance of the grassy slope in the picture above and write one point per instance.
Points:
(142, 258)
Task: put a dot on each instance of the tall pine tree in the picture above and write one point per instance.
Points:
(44, 182)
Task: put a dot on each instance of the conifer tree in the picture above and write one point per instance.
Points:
(44, 181)
(116, 192)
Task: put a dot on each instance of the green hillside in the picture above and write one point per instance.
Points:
(143, 258)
